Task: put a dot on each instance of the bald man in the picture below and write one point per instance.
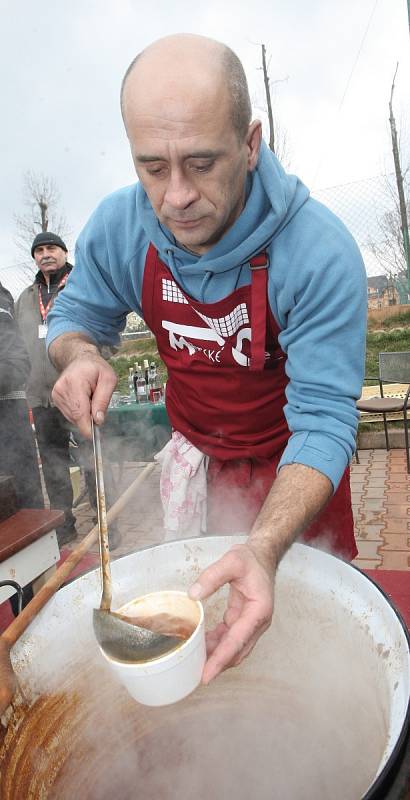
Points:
(257, 297)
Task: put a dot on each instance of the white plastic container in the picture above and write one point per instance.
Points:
(173, 676)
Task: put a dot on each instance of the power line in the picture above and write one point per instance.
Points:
(324, 150)
(358, 55)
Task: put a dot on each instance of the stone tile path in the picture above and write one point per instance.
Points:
(381, 507)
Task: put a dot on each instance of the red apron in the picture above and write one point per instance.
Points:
(226, 394)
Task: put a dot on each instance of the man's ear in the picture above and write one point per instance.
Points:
(253, 141)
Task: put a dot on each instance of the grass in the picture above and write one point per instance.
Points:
(384, 342)
(396, 321)
(378, 426)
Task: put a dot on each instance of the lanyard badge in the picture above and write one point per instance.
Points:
(42, 328)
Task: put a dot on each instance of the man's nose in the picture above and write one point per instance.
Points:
(180, 192)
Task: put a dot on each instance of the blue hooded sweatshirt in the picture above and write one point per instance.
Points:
(317, 293)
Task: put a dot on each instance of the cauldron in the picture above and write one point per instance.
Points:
(318, 710)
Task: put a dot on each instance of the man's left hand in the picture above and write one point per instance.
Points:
(249, 610)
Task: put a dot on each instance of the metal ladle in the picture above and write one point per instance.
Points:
(119, 638)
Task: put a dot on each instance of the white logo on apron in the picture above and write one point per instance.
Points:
(178, 332)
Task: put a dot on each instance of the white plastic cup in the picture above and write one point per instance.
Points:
(173, 676)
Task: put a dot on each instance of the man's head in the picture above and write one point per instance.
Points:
(49, 252)
(187, 113)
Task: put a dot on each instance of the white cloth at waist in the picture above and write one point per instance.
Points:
(183, 487)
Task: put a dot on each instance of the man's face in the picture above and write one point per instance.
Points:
(193, 168)
(49, 258)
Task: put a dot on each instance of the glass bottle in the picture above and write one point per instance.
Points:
(146, 370)
(141, 387)
(131, 388)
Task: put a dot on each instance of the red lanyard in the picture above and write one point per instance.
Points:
(44, 311)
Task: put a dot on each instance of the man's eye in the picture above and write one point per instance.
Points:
(155, 170)
(203, 166)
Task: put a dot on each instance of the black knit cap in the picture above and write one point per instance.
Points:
(47, 238)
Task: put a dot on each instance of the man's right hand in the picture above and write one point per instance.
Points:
(84, 388)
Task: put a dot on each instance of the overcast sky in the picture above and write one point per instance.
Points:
(62, 65)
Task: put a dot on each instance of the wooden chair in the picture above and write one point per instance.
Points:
(28, 548)
(393, 368)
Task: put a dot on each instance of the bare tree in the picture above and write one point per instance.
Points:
(278, 140)
(386, 245)
(387, 250)
(389, 246)
(41, 199)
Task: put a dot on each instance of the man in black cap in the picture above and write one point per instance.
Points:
(50, 254)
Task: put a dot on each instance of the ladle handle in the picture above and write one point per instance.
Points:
(106, 596)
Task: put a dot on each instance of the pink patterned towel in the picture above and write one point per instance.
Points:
(183, 487)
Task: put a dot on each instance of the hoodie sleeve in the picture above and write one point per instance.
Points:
(322, 309)
(94, 300)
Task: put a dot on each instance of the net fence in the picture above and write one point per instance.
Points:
(16, 277)
(369, 209)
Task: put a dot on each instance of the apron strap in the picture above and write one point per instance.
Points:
(259, 290)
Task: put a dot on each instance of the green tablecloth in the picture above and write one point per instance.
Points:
(135, 432)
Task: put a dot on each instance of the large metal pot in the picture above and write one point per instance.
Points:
(318, 711)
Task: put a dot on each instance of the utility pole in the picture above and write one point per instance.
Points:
(399, 181)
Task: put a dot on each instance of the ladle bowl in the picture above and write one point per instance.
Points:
(127, 642)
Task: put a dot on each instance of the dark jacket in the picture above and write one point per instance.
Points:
(14, 359)
(43, 375)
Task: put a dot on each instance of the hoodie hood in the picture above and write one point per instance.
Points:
(273, 198)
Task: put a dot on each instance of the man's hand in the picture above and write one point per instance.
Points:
(297, 495)
(84, 388)
(249, 610)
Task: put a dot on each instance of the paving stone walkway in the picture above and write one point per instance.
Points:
(381, 507)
